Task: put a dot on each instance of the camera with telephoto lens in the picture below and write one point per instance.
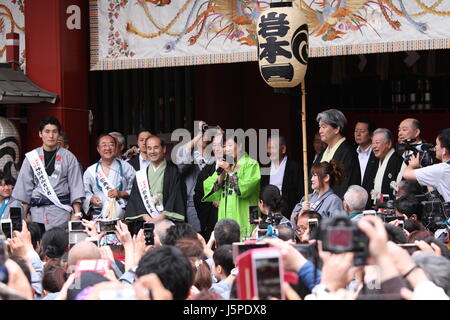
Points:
(388, 207)
(426, 151)
(339, 235)
(107, 225)
(435, 214)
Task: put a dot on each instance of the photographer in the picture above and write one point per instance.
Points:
(437, 175)
(411, 209)
(271, 205)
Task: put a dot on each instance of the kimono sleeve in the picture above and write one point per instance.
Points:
(208, 188)
(88, 182)
(248, 179)
(25, 183)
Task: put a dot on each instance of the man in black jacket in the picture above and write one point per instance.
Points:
(166, 192)
(391, 165)
(284, 173)
(368, 163)
(332, 125)
(208, 211)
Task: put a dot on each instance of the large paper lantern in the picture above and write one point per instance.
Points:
(9, 148)
(282, 45)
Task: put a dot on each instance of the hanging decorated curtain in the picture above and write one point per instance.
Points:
(129, 34)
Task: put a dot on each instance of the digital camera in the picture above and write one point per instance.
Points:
(340, 234)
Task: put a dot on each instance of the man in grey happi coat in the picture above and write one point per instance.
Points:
(64, 175)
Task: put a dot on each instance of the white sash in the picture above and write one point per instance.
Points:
(41, 175)
(144, 190)
(106, 186)
(380, 174)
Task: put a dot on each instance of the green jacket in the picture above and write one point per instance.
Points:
(235, 205)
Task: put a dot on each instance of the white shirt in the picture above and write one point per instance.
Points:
(363, 157)
(143, 163)
(437, 176)
(277, 174)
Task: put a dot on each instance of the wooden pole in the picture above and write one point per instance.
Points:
(305, 153)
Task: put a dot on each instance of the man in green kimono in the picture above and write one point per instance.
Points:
(235, 183)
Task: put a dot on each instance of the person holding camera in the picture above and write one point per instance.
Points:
(437, 175)
(324, 176)
(191, 158)
(271, 205)
(235, 184)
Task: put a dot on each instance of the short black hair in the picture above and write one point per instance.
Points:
(409, 205)
(49, 120)
(223, 256)
(179, 231)
(55, 242)
(172, 267)
(444, 138)
(23, 265)
(370, 124)
(285, 232)
(227, 231)
(105, 135)
(6, 178)
(35, 231)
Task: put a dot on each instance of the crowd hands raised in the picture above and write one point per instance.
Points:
(326, 247)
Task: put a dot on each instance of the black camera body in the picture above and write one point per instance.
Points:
(435, 213)
(339, 235)
(426, 151)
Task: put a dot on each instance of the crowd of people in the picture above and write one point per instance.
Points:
(374, 224)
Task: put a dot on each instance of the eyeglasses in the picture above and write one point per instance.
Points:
(107, 145)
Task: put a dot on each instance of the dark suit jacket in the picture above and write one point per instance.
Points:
(369, 177)
(174, 194)
(346, 154)
(134, 162)
(292, 188)
(207, 213)
(370, 173)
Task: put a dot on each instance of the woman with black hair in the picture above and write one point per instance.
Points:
(271, 205)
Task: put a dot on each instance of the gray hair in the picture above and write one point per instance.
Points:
(334, 118)
(356, 198)
(161, 229)
(120, 138)
(437, 269)
(388, 136)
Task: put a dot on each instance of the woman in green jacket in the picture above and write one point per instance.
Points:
(235, 184)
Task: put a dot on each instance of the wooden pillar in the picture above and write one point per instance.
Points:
(57, 47)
